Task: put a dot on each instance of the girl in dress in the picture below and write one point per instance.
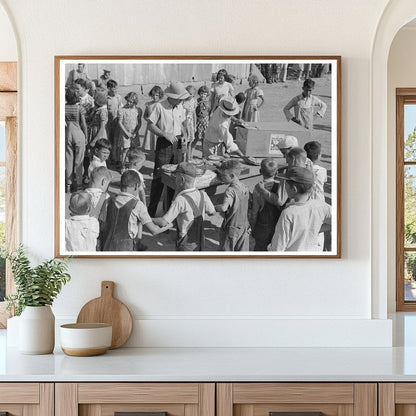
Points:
(97, 123)
(99, 118)
(75, 134)
(114, 103)
(220, 89)
(202, 114)
(190, 120)
(149, 140)
(254, 100)
(129, 122)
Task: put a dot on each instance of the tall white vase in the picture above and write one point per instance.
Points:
(37, 330)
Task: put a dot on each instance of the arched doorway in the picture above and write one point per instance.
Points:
(396, 15)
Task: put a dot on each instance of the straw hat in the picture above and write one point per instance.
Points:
(229, 106)
(177, 91)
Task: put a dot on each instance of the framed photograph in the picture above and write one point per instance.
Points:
(198, 156)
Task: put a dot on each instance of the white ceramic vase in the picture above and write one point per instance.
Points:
(37, 330)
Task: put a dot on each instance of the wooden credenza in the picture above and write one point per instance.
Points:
(27, 399)
(275, 399)
(152, 399)
(208, 399)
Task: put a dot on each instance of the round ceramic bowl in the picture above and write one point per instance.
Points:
(83, 340)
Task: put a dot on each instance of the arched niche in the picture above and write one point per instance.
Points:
(396, 14)
(8, 44)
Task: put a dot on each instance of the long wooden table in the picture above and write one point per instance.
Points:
(250, 175)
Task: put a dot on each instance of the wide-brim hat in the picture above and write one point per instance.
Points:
(229, 106)
(298, 174)
(106, 71)
(177, 91)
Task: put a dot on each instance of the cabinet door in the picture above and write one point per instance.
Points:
(397, 399)
(142, 399)
(297, 399)
(26, 399)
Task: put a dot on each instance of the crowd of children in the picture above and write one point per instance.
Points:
(285, 212)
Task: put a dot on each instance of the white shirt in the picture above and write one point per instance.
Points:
(167, 118)
(81, 233)
(183, 211)
(304, 109)
(298, 226)
(320, 179)
(218, 128)
(87, 102)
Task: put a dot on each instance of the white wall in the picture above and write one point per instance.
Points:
(202, 302)
(401, 74)
(8, 46)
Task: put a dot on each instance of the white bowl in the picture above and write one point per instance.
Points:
(84, 340)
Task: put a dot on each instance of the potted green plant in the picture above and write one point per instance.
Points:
(36, 289)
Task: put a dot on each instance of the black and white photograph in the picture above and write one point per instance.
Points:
(198, 157)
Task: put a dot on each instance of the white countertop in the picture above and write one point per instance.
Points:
(215, 364)
(222, 364)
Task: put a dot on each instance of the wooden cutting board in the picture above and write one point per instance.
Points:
(107, 309)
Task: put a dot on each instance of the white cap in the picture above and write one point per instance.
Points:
(288, 142)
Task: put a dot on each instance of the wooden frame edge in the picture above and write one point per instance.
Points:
(57, 152)
(337, 58)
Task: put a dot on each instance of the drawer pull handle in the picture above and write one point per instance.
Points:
(140, 414)
(295, 414)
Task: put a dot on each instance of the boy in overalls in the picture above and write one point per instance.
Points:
(189, 209)
(125, 212)
(98, 187)
(234, 229)
(263, 214)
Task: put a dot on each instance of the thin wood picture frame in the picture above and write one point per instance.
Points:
(288, 101)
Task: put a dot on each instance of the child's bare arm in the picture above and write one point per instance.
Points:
(84, 125)
(139, 123)
(270, 197)
(156, 130)
(99, 132)
(160, 221)
(287, 110)
(221, 208)
(321, 105)
(228, 200)
(326, 226)
(224, 206)
(155, 229)
(123, 129)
